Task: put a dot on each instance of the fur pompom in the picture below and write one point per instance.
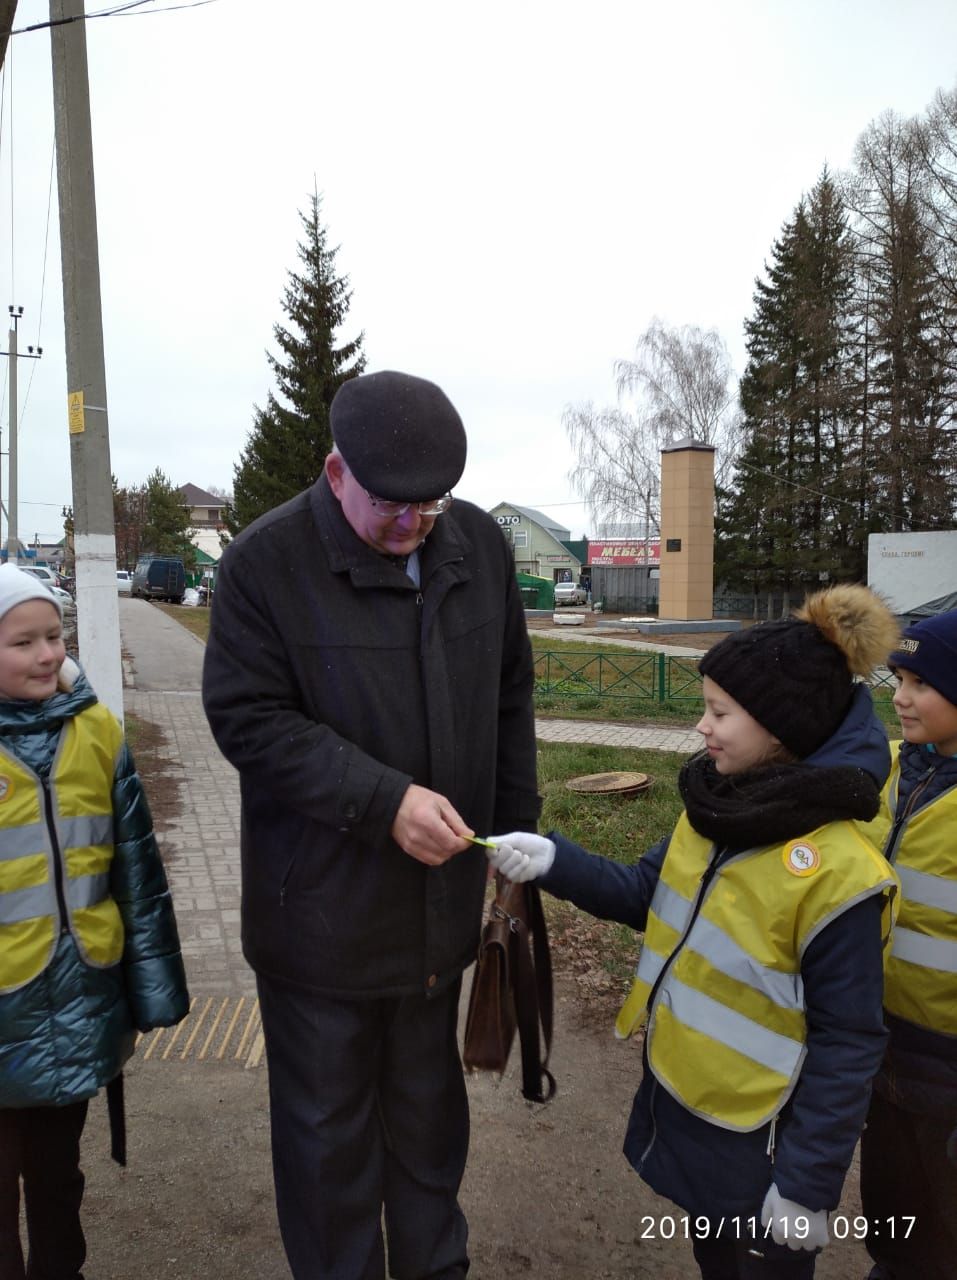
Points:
(855, 619)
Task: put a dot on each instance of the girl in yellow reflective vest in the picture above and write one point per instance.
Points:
(89, 952)
(909, 1146)
(765, 916)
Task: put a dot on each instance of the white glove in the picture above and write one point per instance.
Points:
(792, 1224)
(521, 855)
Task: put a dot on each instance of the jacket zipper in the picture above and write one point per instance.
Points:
(706, 877)
(900, 820)
(58, 869)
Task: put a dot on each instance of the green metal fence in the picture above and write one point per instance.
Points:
(654, 677)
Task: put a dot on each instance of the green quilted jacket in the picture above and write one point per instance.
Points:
(69, 1031)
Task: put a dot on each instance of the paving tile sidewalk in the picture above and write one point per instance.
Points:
(201, 842)
(652, 737)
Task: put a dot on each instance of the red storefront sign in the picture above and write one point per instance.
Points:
(624, 551)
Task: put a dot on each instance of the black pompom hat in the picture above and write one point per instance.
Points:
(787, 676)
(796, 677)
(400, 436)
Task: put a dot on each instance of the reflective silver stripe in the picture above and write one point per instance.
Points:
(20, 842)
(783, 989)
(87, 891)
(718, 1022)
(77, 833)
(724, 954)
(669, 905)
(929, 890)
(28, 904)
(929, 953)
(650, 964)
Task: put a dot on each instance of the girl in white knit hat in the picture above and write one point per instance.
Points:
(89, 952)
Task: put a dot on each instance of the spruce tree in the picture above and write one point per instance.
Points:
(905, 306)
(779, 521)
(291, 435)
(166, 531)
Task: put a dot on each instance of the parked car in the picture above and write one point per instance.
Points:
(64, 597)
(159, 578)
(124, 582)
(41, 571)
(570, 593)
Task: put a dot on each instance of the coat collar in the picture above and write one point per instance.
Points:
(345, 551)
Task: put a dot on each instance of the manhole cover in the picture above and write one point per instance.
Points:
(611, 784)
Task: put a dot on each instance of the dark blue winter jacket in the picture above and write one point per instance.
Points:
(719, 1173)
(919, 1072)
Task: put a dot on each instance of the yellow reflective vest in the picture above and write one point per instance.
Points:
(920, 972)
(56, 846)
(720, 967)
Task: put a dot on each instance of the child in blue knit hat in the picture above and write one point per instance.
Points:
(909, 1147)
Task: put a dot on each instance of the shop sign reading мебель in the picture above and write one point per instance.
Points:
(624, 551)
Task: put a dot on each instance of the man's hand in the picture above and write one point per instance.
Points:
(428, 828)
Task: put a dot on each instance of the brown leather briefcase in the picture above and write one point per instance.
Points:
(512, 990)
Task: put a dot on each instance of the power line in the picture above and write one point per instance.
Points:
(13, 281)
(117, 11)
(43, 279)
(803, 488)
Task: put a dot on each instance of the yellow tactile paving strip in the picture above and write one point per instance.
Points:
(216, 1029)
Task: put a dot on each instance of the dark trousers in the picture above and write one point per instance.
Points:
(41, 1145)
(752, 1260)
(906, 1173)
(369, 1114)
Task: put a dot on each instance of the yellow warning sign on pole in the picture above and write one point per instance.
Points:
(75, 414)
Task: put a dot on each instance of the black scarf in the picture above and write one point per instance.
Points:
(773, 803)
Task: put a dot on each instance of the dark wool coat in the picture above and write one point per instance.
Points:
(332, 682)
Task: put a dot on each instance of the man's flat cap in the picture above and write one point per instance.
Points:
(401, 436)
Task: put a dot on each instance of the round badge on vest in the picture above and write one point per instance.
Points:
(801, 858)
(6, 788)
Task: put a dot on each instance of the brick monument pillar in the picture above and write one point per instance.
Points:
(686, 583)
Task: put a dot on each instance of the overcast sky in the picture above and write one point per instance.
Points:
(516, 188)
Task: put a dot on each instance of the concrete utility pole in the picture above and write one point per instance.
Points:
(13, 550)
(98, 624)
(8, 11)
(11, 446)
(13, 539)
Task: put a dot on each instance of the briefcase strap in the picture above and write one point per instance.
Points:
(533, 997)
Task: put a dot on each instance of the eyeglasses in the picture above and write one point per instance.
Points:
(389, 510)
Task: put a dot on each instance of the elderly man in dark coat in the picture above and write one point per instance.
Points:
(370, 676)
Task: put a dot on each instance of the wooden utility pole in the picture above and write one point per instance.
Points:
(98, 626)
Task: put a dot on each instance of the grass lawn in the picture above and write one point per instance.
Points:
(600, 955)
(192, 617)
